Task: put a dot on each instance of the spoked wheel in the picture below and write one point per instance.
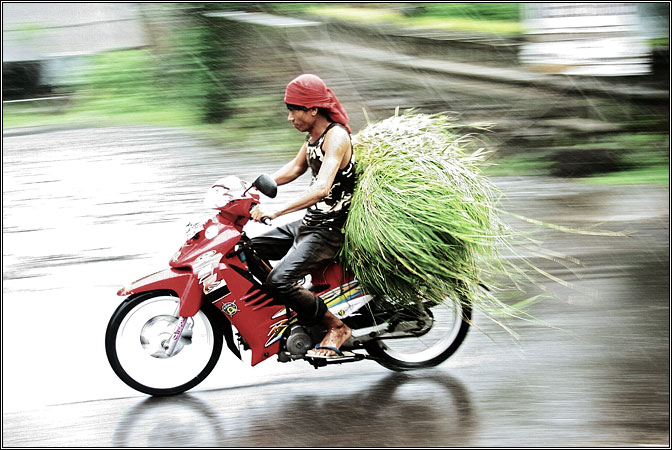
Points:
(434, 339)
(138, 337)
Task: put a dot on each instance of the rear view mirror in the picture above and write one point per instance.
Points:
(266, 185)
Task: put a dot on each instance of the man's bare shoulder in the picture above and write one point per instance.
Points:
(339, 130)
(337, 137)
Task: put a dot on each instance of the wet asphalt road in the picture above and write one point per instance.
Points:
(86, 211)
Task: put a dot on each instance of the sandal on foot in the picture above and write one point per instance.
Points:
(339, 353)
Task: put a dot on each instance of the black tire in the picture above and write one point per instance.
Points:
(447, 342)
(125, 325)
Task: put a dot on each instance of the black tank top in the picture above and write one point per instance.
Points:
(331, 211)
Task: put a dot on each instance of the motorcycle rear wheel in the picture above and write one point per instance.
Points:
(429, 348)
(135, 344)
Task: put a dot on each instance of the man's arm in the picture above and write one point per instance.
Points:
(293, 169)
(336, 145)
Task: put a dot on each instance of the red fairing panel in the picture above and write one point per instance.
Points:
(259, 318)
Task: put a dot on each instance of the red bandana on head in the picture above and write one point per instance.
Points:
(310, 91)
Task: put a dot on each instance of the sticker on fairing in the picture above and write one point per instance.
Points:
(211, 284)
(230, 309)
(204, 267)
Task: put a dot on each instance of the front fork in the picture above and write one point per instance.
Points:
(171, 344)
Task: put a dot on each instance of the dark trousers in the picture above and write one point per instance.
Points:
(300, 251)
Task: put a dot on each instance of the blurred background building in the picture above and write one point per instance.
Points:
(47, 45)
(601, 39)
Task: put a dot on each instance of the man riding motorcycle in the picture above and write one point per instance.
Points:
(307, 244)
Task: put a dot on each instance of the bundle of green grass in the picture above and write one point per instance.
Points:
(423, 225)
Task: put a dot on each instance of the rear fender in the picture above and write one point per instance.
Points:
(183, 283)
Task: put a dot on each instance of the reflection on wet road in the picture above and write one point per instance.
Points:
(86, 211)
(406, 408)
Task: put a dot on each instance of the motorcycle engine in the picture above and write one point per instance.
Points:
(299, 342)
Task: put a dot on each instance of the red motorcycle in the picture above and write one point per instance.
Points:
(168, 333)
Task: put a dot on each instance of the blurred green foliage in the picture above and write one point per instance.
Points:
(501, 18)
(657, 174)
(199, 59)
(122, 81)
(523, 164)
(476, 11)
(638, 158)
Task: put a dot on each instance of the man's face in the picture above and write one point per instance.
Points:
(302, 120)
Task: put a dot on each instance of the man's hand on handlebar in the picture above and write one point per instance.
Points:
(263, 215)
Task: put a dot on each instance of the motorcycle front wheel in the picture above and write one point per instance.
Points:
(448, 326)
(138, 335)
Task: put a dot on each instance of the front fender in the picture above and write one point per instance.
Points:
(183, 283)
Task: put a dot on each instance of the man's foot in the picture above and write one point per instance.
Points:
(336, 336)
(338, 353)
